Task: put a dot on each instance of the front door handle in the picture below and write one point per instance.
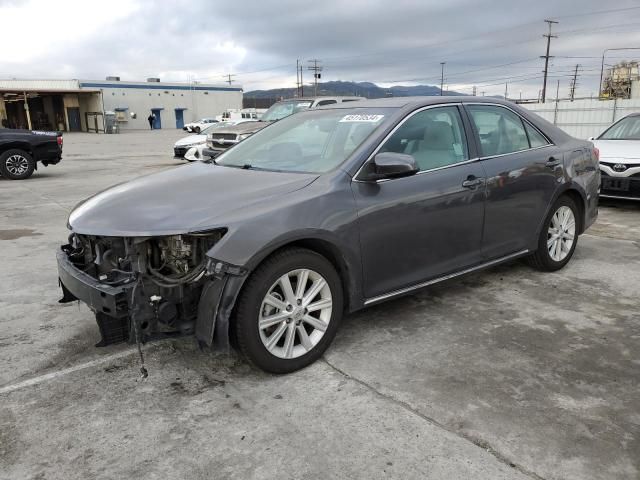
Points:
(472, 182)
(552, 162)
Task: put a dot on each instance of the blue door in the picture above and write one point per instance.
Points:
(73, 114)
(157, 123)
(179, 118)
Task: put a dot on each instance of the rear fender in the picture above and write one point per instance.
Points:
(575, 188)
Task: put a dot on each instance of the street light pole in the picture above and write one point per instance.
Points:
(442, 77)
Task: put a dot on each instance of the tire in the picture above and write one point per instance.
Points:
(197, 129)
(16, 164)
(289, 351)
(543, 259)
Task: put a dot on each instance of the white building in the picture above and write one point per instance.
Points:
(80, 105)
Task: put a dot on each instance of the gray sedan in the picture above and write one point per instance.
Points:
(326, 212)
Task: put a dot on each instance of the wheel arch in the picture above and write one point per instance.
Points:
(577, 194)
(579, 198)
(16, 145)
(347, 270)
(220, 319)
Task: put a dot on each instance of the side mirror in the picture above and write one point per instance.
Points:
(591, 139)
(389, 165)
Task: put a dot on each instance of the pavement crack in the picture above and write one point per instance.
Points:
(478, 442)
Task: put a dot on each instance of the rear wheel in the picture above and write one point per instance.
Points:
(16, 164)
(558, 238)
(196, 129)
(289, 311)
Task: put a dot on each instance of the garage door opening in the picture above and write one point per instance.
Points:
(47, 110)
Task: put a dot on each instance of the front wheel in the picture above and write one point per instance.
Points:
(288, 312)
(558, 238)
(197, 129)
(16, 164)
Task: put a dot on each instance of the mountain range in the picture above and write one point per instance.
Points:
(362, 89)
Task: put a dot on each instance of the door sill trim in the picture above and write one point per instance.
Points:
(402, 291)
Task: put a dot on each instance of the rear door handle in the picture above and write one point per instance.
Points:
(472, 182)
(553, 162)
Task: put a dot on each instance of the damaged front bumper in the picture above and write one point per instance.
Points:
(117, 307)
(77, 285)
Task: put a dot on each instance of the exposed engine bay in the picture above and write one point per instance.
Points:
(158, 281)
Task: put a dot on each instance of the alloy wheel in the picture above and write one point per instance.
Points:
(295, 313)
(17, 165)
(561, 233)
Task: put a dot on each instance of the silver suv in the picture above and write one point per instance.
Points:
(223, 138)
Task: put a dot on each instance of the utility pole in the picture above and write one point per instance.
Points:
(229, 78)
(316, 69)
(442, 77)
(506, 90)
(474, 90)
(297, 77)
(546, 57)
(574, 83)
(301, 82)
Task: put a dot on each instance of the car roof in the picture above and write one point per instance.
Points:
(400, 102)
(323, 97)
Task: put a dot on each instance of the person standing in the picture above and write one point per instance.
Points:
(151, 118)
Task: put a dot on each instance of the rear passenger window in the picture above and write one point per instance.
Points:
(326, 102)
(433, 137)
(501, 131)
(536, 139)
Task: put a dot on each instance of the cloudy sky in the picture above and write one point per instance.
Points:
(393, 42)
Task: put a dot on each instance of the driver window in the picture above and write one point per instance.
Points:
(434, 138)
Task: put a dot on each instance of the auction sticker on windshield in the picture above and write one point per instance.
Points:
(362, 118)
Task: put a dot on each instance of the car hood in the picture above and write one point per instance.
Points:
(192, 198)
(625, 151)
(240, 128)
(191, 139)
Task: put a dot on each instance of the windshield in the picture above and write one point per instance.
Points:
(314, 141)
(214, 126)
(284, 109)
(626, 129)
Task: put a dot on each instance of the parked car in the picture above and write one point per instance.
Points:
(223, 139)
(21, 150)
(325, 212)
(619, 147)
(182, 146)
(199, 125)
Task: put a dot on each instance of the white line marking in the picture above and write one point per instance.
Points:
(66, 371)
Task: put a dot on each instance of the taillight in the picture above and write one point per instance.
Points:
(596, 152)
(60, 140)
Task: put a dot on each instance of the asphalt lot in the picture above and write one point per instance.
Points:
(507, 373)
